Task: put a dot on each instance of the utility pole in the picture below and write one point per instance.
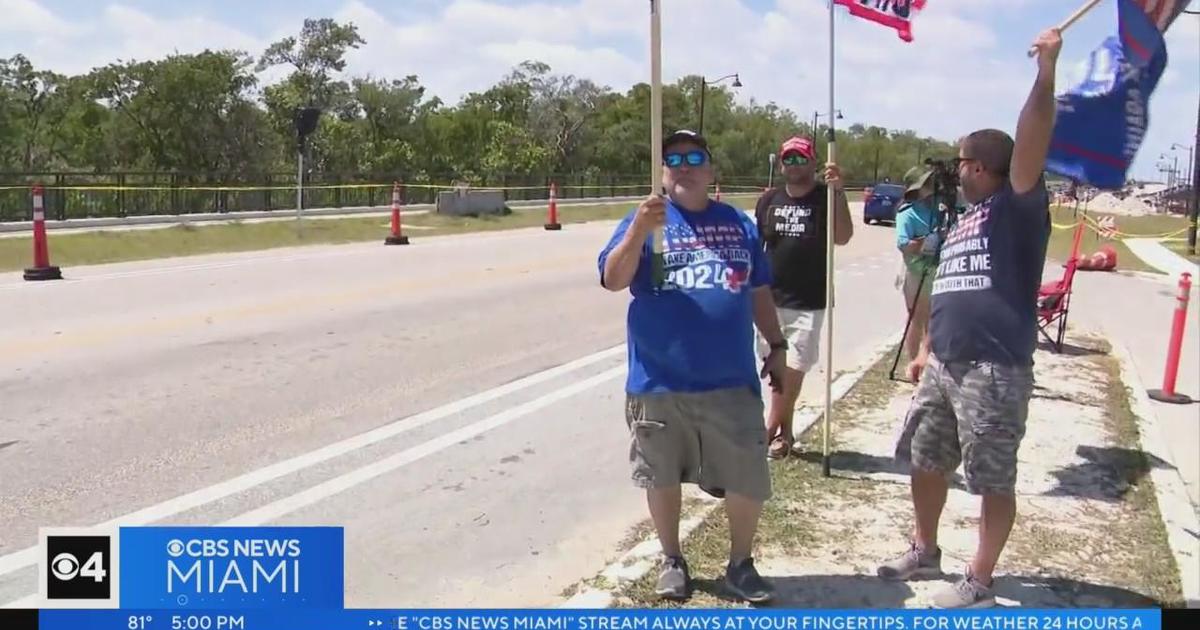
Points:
(1195, 177)
(305, 120)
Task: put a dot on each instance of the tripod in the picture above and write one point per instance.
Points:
(942, 224)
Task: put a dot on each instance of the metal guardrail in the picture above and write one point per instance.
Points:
(210, 217)
(120, 195)
(75, 196)
(16, 228)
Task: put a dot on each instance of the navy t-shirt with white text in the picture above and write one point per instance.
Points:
(984, 297)
(696, 333)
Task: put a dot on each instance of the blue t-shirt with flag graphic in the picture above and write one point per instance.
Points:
(696, 332)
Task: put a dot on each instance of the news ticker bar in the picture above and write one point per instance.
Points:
(629, 619)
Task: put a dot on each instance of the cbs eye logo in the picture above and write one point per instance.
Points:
(79, 567)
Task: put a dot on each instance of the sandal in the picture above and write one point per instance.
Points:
(780, 448)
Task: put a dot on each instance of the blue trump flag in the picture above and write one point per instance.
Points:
(1102, 121)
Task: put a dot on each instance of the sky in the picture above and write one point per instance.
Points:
(966, 68)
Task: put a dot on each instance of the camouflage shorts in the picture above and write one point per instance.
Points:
(969, 412)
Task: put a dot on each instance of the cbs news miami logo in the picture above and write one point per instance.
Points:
(191, 567)
(78, 568)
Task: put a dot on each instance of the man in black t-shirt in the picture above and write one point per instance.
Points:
(975, 368)
(792, 222)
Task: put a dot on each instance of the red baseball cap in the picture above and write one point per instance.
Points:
(798, 144)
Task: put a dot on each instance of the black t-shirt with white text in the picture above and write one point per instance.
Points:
(984, 298)
(793, 234)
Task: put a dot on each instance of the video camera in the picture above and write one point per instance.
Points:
(945, 189)
(945, 175)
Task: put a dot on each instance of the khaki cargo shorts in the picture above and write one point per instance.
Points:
(802, 328)
(716, 440)
(968, 412)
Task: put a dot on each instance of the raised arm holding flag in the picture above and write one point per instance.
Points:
(975, 369)
(1102, 120)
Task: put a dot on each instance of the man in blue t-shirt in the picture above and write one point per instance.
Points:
(694, 402)
(975, 368)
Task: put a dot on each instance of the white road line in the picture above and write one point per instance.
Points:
(324, 490)
(636, 562)
(28, 557)
(274, 510)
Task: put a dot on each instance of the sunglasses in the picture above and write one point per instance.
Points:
(795, 160)
(693, 158)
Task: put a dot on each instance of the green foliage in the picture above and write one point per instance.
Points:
(208, 117)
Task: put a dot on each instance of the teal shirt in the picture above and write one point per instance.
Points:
(915, 220)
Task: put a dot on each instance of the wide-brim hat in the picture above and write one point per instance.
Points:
(915, 179)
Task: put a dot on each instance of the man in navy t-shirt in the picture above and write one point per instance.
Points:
(975, 368)
(694, 402)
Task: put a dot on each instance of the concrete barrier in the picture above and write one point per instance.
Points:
(464, 201)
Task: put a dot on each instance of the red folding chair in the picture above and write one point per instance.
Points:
(1054, 299)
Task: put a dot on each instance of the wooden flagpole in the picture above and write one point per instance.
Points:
(1071, 19)
(658, 268)
(829, 223)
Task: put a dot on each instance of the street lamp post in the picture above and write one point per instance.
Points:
(771, 170)
(1194, 211)
(704, 83)
(1191, 154)
(1169, 167)
(817, 114)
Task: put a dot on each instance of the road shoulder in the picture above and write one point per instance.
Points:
(1089, 531)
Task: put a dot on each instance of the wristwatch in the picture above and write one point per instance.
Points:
(782, 345)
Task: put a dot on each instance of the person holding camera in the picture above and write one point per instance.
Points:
(917, 238)
(975, 367)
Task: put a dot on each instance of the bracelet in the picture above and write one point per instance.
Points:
(782, 345)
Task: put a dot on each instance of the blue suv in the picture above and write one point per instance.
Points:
(880, 202)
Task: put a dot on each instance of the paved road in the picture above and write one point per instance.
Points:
(455, 404)
(24, 229)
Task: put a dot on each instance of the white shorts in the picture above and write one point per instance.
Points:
(802, 328)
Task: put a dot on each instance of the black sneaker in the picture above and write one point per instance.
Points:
(745, 582)
(673, 580)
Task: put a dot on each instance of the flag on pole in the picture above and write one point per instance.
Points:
(1103, 119)
(897, 14)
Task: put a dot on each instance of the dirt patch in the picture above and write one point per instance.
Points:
(1088, 530)
(787, 526)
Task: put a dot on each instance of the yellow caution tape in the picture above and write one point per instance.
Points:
(448, 187)
(1116, 235)
(110, 188)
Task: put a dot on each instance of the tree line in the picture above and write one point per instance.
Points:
(210, 113)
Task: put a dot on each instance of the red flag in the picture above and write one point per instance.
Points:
(897, 14)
